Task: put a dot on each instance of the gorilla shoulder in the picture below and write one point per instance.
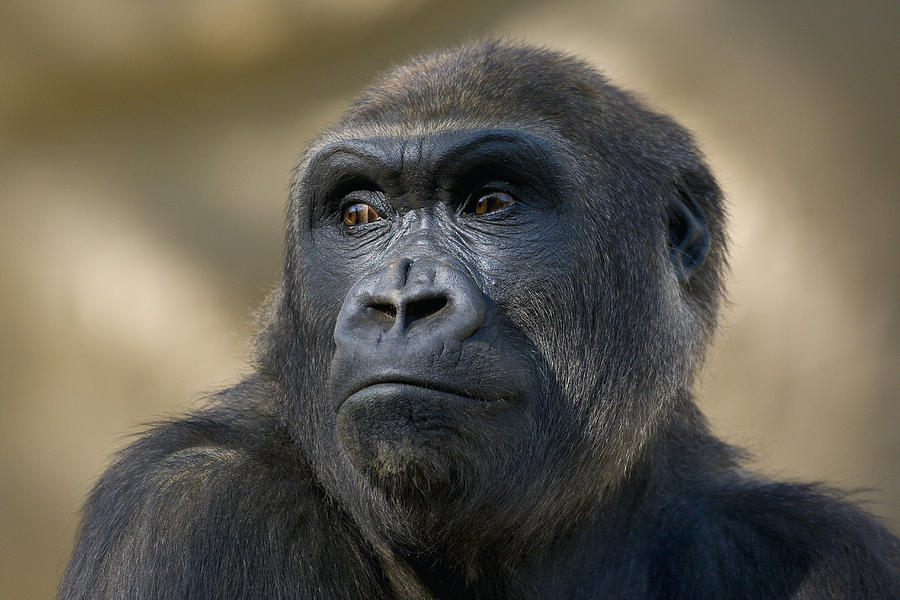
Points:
(740, 536)
(225, 481)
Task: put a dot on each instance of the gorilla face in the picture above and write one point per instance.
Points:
(484, 318)
(422, 245)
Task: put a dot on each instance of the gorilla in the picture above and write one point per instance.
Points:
(501, 274)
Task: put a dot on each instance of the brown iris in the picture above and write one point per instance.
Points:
(489, 203)
(359, 213)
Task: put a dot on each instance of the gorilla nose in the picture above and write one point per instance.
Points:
(425, 299)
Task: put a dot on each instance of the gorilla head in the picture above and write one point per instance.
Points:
(500, 277)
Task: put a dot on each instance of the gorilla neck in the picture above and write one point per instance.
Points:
(524, 563)
(459, 562)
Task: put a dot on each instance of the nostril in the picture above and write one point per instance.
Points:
(424, 307)
(384, 308)
(411, 310)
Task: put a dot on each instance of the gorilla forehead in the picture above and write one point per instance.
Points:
(438, 148)
(493, 83)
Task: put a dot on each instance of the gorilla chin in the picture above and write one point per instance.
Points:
(401, 435)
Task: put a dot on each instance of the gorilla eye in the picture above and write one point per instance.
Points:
(487, 203)
(359, 213)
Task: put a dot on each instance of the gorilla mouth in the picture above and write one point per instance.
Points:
(408, 387)
(392, 425)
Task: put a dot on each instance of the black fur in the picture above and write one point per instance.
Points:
(451, 404)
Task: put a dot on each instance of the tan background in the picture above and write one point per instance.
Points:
(145, 150)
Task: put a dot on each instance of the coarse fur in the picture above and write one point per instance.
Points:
(451, 404)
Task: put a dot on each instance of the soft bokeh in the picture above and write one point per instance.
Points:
(145, 151)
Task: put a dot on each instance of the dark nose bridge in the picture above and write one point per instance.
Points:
(421, 241)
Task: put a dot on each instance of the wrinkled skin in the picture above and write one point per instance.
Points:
(500, 277)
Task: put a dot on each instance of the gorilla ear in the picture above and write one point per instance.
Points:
(688, 234)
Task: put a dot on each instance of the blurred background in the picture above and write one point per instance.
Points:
(145, 152)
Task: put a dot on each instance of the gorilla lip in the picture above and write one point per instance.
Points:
(409, 384)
